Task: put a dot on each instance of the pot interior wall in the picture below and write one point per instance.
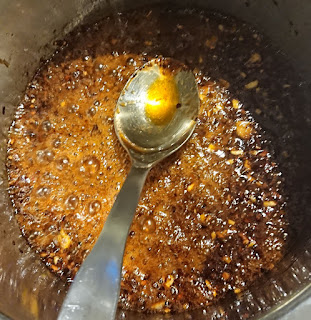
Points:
(27, 33)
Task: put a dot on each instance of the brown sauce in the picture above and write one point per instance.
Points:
(211, 217)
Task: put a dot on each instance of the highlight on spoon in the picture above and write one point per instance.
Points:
(158, 106)
(162, 99)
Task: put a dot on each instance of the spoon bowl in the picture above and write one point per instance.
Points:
(155, 115)
(146, 141)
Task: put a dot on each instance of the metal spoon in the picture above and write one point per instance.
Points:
(95, 291)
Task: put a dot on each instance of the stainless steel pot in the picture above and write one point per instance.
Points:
(27, 31)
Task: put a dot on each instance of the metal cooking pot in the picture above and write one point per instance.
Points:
(28, 29)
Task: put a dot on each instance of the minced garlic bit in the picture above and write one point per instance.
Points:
(218, 107)
(251, 85)
(190, 187)
(205, 218)
(222, 234)
(169, 281)
(185, 306)
(235, 104)
(148, 43)
(54, 268)
(55, 259)
(237, 290)
(226, 275)
(226, 259)
(247, 165)
(253, 198)
(244, 129)
(244, 238)
(211, 43)
(237, 152)
(255, 57)
(208, 284)
(252, 243)
(158, 306)
(203, 91)
(64, 239)
(254, 152)
(224, 83)
(269, 203)
(213, 235)
(231, 222)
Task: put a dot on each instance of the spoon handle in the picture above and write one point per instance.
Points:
(95, 291)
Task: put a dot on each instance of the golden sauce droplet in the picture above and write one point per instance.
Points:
(90, 166)
(40, 155)
(45, 156)
(162, 100)
(43, 191)
(72, 202)
(92, 111)
(94, 207)
(46, 125)
(57, 143)
(49, 155)
(62, 163)
(148, 224)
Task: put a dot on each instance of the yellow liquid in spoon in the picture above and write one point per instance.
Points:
(162, 100)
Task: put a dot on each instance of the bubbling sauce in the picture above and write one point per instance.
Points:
(211, 217)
